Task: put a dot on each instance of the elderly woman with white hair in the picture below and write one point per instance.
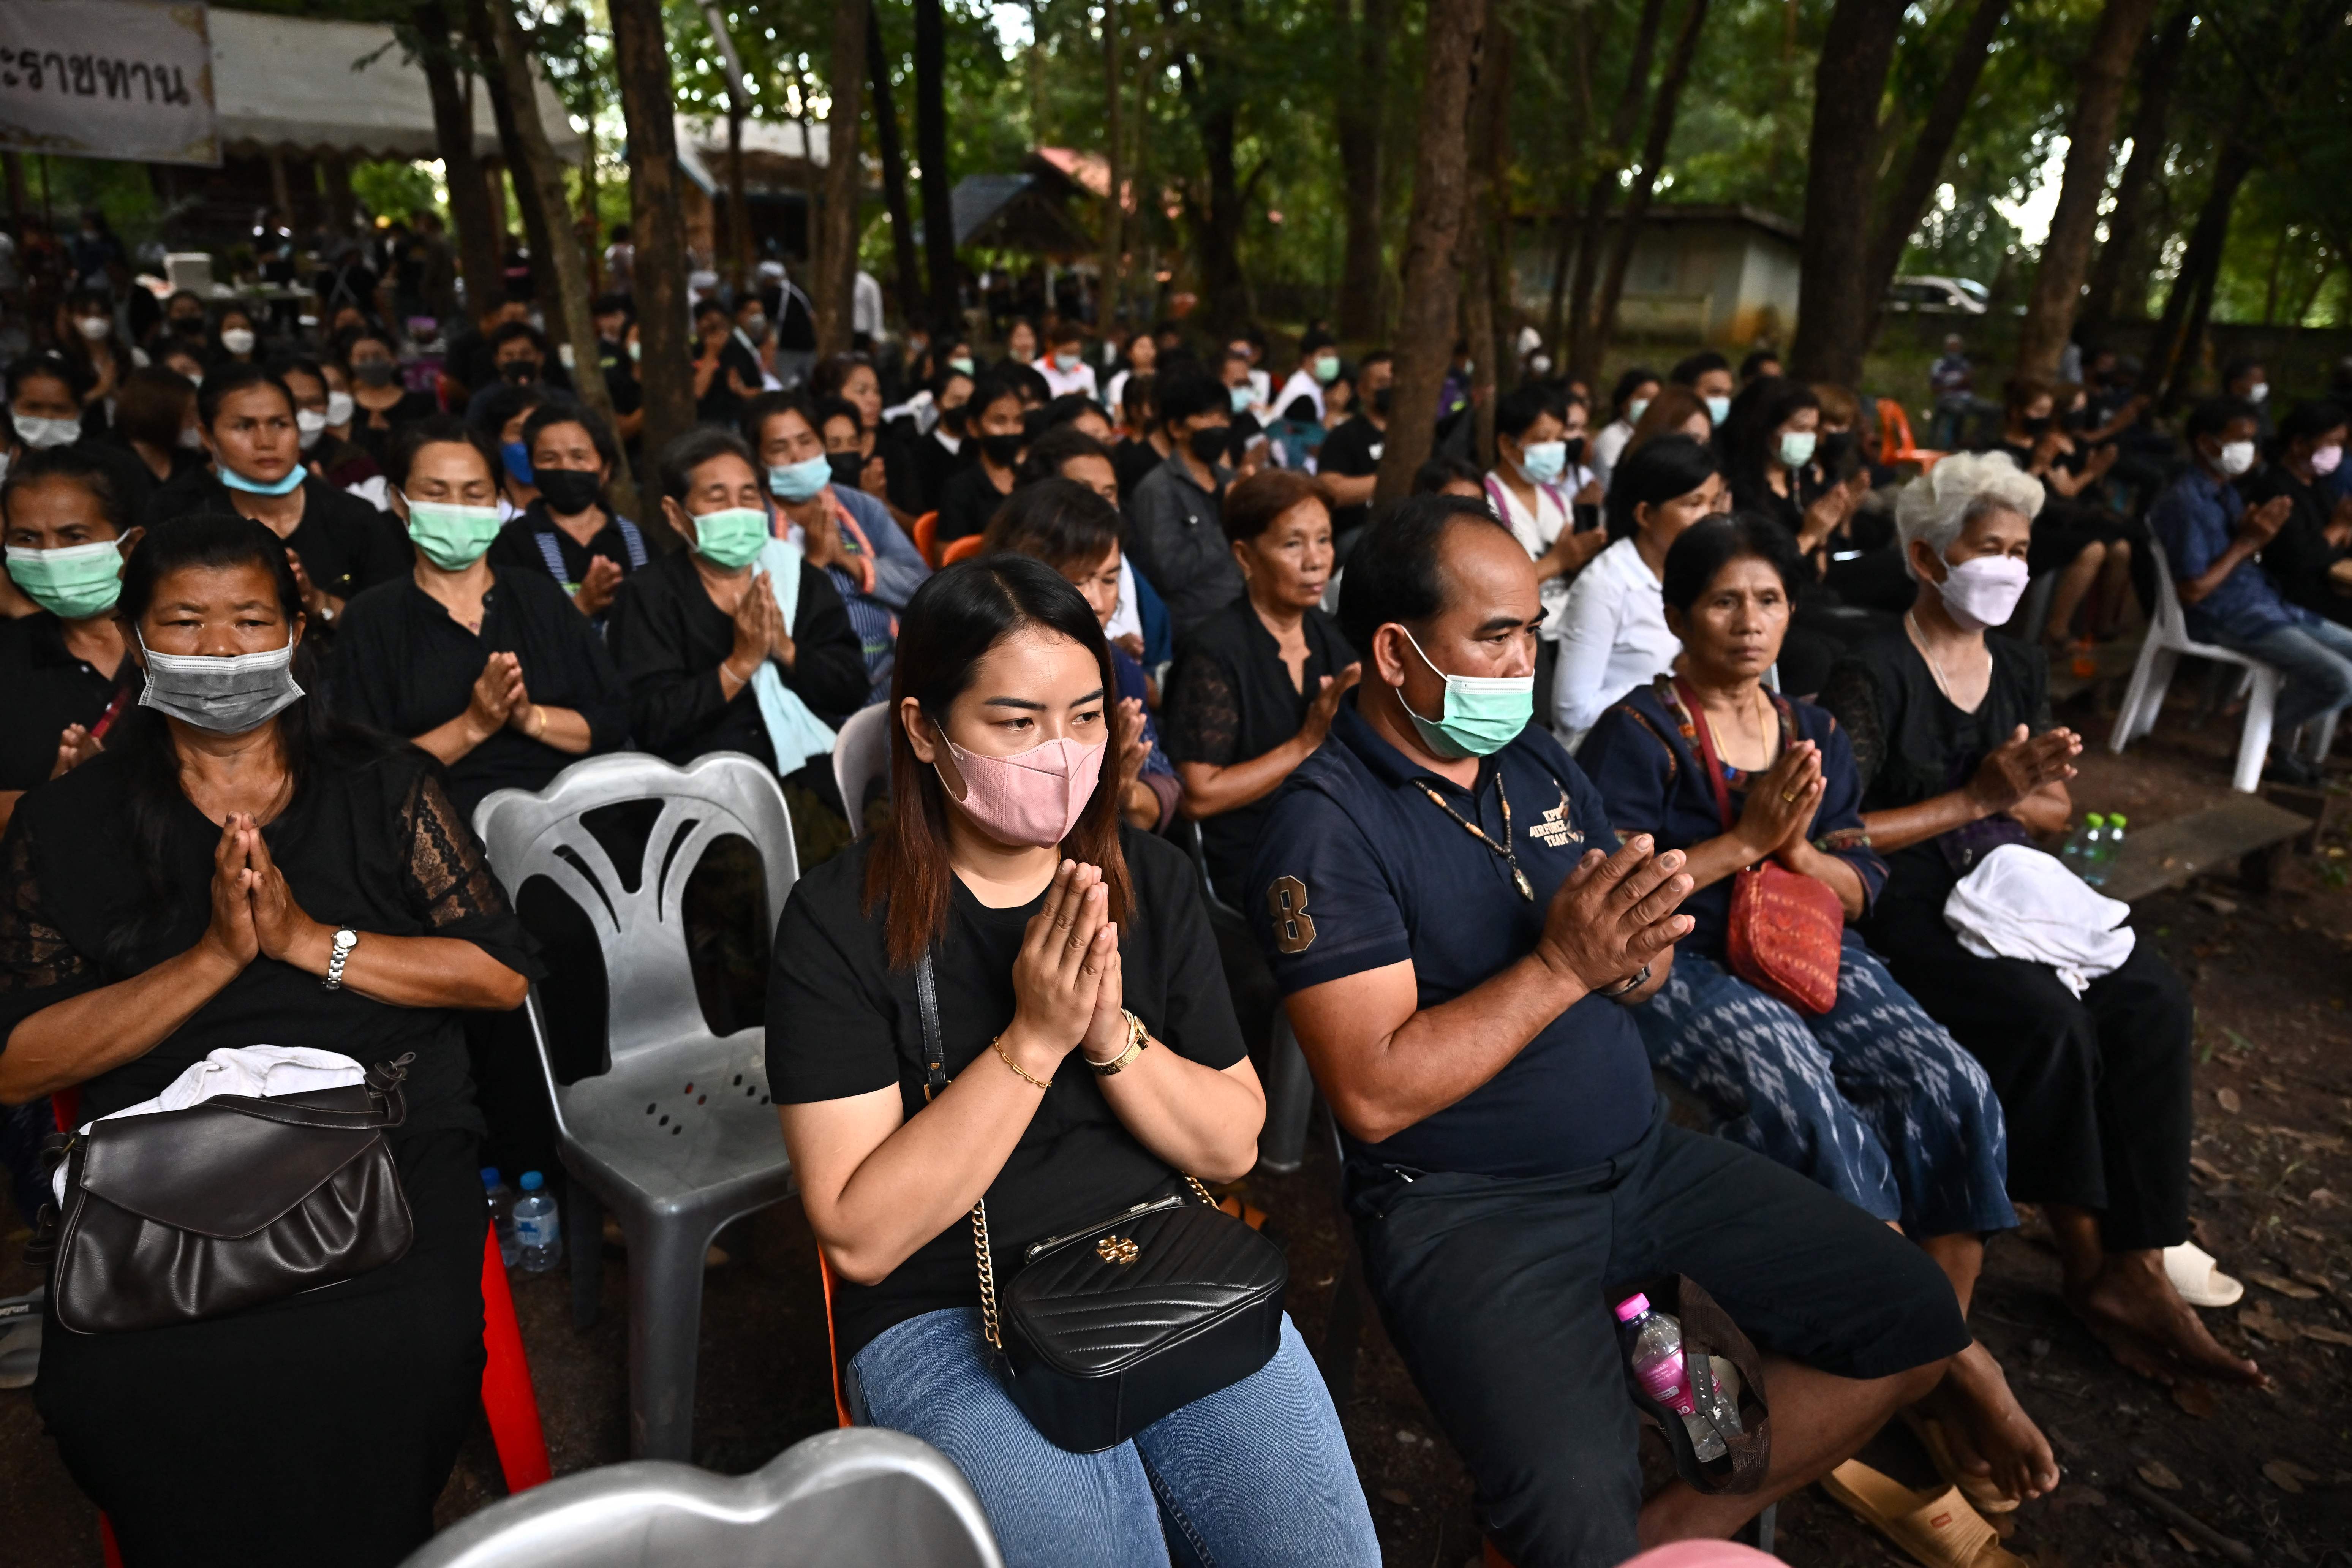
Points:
(1952, 737)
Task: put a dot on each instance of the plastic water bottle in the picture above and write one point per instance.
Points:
(502, 1203)
(538, 1227)
(1655, 1349)
(2112, 850)
(2085, 863)
(2070, 855)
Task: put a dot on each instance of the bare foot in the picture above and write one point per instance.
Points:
(2133, 1311)
(1987, 1431)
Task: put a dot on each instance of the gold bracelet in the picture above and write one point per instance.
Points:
(997, 1045)
(541, 715)
(1138, 1038)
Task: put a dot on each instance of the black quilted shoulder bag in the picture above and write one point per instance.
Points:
(1111, 1326)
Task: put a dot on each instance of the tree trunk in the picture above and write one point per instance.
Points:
(2172, 351)
(1585, 45)
(641, 60)
(1113, 272)
(1489, 137)
(1584, 349)
(1496, 76)
(1832, 311)
(2091, 132)
(453, 131)
(1433, 271)
(894, 171)
(1663, 109)
(539, 180)
(2140, 175)
(931, 153)
(1898, 213)
(837, 274)
(342, 208)
(507, 111)
(1358, 125)
(1216, 222)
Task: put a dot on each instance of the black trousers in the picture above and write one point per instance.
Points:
(2096, 1088)
(314, 1430)
(1497, 1293)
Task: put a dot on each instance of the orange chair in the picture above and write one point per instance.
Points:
(506, 1396)
(1895, 443)
(927, 532)
(959, 550)
(832, 1343)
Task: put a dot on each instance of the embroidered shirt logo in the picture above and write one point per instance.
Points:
(1293, 928)
(1554, 828)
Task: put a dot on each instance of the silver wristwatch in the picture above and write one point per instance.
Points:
(345, 940)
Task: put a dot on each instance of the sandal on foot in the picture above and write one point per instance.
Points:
(2193, 1273)
(1938, 1530)
(1982, 1492)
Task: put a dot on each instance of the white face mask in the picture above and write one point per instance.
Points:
(1796, 448)
(94, 328)
(238, 341)
(2236, 458)
(2254, 394)
(42, 434)
(311, 424)
(226, 695)
(1982, 591)
(339, 408)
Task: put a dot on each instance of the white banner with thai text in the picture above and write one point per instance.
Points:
(107, 78)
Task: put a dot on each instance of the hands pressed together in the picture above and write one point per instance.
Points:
(603, 580)
(254, 912)
(1066, 984)
(1614, 914)
(2023, 764)
(759, 632)
(1779, 816)
(500, 701)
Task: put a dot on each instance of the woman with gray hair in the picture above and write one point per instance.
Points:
(1957, 755)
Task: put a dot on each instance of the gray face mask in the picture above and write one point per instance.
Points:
(229, 695)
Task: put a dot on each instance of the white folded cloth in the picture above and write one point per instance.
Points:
(260, 1070)
(2021, 903)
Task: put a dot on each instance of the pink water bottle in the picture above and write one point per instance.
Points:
(1655, 1347)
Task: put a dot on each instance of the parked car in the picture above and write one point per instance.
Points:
(1932, 296)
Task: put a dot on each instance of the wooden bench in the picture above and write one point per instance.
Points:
(2248, 829)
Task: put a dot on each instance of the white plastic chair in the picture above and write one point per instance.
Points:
(2168, 639)
(861, 753)
(839, 1500)
(676, 1137)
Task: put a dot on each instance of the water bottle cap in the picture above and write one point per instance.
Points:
(1631, 1307)
(2094, 820)
(533, 1181)
(2118, 820)
(490, 1175)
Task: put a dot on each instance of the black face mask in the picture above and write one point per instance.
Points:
(1575, 445)
(1831, 449)
(1002, 450)
(372, 372)
(515, 372)
(188, 326)
(952, 420)
(1381, 401)
(1210, 444)
(847, 466)
(567, 491)
(2037, 425)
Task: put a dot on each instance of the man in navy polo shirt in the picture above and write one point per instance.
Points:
(1458, 935)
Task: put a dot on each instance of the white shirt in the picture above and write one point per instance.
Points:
(1126, 617)
(1612, 638)
(1606, 448)
(1302, 383)
(1535, 531)
(1062, 383)
(1112, 396)
(866, 306)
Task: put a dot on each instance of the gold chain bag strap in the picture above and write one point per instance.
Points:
(1106, 1328)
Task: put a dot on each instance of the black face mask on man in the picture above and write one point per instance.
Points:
(567, 491)
(1210, 444)
(846, 467)
(515, 372)
(1002, 450)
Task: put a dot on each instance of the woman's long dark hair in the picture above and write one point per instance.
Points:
(954, 620)
(1752, 436)
(142, 740)
(1662, 469)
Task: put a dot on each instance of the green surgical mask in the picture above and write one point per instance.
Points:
(73, 583)
(732, 538)
(451, 537)
(1482, 713)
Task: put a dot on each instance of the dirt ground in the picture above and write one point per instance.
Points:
(2273, 1201)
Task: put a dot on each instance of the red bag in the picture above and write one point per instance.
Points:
(1785, 928)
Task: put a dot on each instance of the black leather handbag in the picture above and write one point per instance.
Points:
(1110, 1327)
(234, 1201)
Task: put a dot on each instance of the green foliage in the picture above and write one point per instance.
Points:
(387, 188)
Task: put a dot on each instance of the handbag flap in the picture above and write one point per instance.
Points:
(1092, 1306)
(216, 1169)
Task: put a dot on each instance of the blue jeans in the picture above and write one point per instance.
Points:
(2316, 656)
(1258, 1473)
(1873, 1100)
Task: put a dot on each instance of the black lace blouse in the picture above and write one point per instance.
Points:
(371, 841)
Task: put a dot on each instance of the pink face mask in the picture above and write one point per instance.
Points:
(2323, 462)
(1034, 798)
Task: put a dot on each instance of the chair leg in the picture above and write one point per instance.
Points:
(665, 1333)
(584, 1242)
(2135, 693)
(506, 1396)
(1767, 1526)
(2159, 681)
(1289, 1101)
(2254, 741)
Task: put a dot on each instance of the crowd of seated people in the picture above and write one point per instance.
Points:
(1480, 770)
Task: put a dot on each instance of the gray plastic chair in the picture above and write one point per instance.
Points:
(676, 1136)
(861, 753)
(839, 1500)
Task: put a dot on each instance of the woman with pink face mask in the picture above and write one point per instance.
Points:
(2306, 557)
(1091, 1060)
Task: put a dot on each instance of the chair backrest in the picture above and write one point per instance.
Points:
(959, 550)
(2171, 624)
(1893, 431)
(636, 911)
(927, 533)
(839, 1500)
(861, 753)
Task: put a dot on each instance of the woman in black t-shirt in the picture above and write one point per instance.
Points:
(1053, 929)
(180, 892)
(2306, 557)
